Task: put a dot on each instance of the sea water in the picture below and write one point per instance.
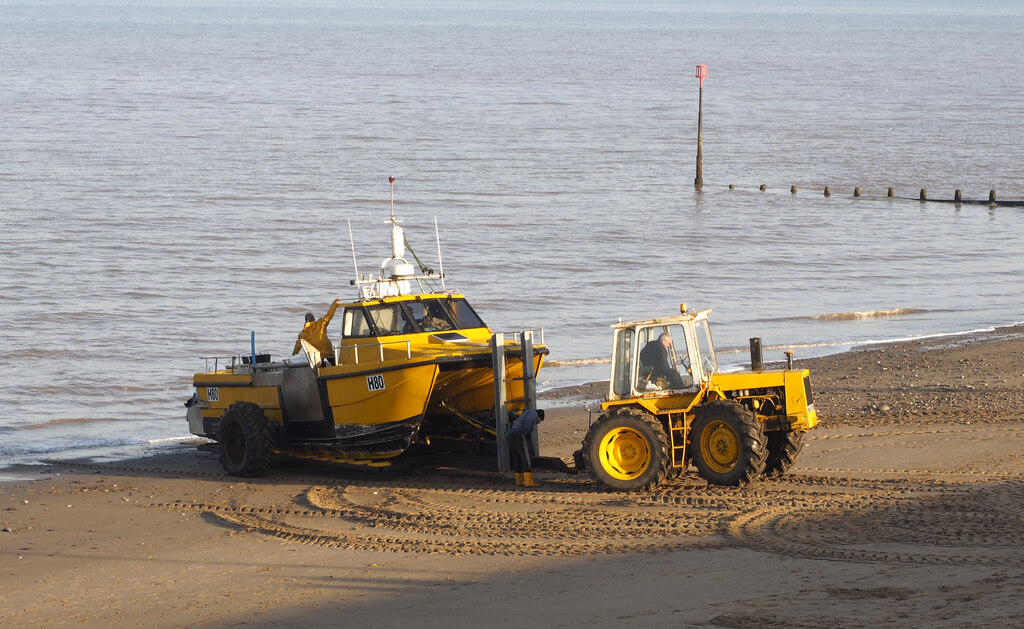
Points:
(177, 175)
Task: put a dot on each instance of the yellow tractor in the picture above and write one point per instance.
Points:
(669, 406)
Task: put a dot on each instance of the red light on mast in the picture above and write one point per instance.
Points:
(702, 73)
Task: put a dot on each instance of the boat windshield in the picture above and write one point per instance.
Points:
(410, 317)
(390, 319)
(432, 315)
(465, 316)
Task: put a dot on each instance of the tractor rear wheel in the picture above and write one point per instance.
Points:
(782, 450)
(244, 440)
(727, 444)
(627, 449)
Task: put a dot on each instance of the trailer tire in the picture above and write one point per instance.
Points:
(727, 444)
(244, 441)
(783, 446)
(627, 449)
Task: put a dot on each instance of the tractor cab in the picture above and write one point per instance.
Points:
(662, 357)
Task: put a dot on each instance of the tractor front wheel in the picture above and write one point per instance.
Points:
(627, 449)
(244, 440)
(727, 444)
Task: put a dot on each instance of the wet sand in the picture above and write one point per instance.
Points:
(906, 506)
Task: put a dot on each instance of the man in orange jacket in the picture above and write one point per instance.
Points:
(315, 333)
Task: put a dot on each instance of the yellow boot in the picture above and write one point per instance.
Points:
(528, 480)
(519, 479)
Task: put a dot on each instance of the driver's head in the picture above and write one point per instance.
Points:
(666, 339)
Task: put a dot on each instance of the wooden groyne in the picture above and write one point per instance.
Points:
(890, 193)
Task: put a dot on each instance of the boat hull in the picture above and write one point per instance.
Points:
(468, 385)
(374, 411)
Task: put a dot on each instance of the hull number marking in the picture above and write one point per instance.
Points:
(375, 382)
(212, 394)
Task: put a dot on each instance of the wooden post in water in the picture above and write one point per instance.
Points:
(828, 191)
(702, 73)
(756, 357)
(856, 192)
(792, 189)
(958, 196)
(924, 194)
(891, 193)
(991, 196)
(764, 187)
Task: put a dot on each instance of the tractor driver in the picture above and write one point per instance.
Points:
(315, 333)
(655, 355)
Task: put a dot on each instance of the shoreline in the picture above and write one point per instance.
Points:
(587, 397)
(586, 390)
(916, 464)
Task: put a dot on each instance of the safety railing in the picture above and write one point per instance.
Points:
(517, 335)
(215, 361)
(378, 346)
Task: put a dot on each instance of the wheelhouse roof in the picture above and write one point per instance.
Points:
(393, 299)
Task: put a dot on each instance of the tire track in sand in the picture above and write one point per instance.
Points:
(850, 518)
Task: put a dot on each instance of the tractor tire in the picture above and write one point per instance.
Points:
(782, 450)
(244, 441)
(727, 444)
(627, 449)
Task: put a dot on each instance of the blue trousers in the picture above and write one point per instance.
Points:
(520, 451)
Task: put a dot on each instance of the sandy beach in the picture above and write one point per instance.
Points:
(905, 507)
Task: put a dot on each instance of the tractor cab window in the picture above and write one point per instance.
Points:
(664, 359)
(709, 362)
(355, 323)
(623, 363)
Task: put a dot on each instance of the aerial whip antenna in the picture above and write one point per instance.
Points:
(440, 264)
(352, 241)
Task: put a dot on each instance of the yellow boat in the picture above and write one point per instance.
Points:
(414, 368)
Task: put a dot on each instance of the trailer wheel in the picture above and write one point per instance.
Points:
(727, 444)
(782, 450)
(626, 449)
(244, 440)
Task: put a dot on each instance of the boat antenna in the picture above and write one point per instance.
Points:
(391, 182)
(353, 243)
(440, 264)
(397, 235)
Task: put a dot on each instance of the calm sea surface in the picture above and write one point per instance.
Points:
(174, 175)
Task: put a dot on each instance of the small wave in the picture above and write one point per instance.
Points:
(181, 440)
(40, 353)
(74, 446)
(856, 316)
(577, 362)
(847, 345)
(739, 350)
(869, 314)
(64, 421)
